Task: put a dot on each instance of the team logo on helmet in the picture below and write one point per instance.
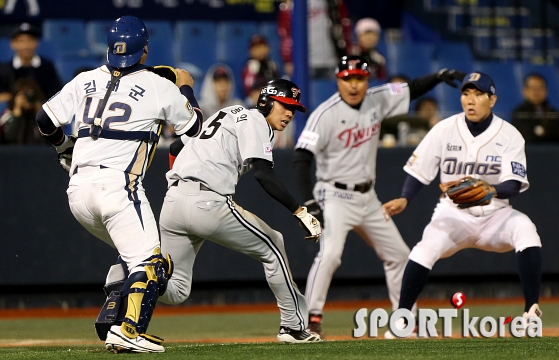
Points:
(119, 48)
(351, 63)
(269, 90)
(296, 92)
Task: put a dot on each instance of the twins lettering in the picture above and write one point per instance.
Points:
(354, 137)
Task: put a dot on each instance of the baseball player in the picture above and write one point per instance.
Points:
(479, 144)
(199, 203)
(119, 110)
(343, 134)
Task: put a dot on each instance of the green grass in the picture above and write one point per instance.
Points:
(469, 349)
(180, 328)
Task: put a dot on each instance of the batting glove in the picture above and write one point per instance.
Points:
(314, 209)
(310, 224)
(65, 151)
(448, 76)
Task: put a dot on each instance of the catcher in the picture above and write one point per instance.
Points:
(482, 162)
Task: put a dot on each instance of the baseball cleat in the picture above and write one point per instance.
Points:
(117, 342)
(400, 324)
(290, 336)
(315, 325)
(532, 313)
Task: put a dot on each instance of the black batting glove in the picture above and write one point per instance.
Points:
(448, 76)
(314, 209)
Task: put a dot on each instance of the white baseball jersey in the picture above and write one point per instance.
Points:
(344, 140)
(141, 101)
(221, 154)
(496, 155)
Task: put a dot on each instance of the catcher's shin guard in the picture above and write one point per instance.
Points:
(108, 315)
(140, 293)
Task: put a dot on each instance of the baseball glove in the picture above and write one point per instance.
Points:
(469, 191)
(168, 72)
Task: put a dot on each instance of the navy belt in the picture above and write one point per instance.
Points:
(362, 188)
(202, 186)
(76, 169)
(122, 135)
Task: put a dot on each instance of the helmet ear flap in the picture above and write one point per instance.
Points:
(264, 104)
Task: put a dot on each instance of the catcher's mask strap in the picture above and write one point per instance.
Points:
(95, 130)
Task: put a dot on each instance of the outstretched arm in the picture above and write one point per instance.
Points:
(423, 84)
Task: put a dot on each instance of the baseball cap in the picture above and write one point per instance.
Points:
(352, 65)
(258, 39)
(481, 81)
(367, 24)
(27, 28)
(220, 73)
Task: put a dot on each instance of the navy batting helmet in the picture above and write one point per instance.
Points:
(352, 65)
(284, 91)
(126, 40)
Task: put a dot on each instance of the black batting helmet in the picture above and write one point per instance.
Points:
(284, 91)
(352, 65)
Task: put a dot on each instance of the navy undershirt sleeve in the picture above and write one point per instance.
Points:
(188, 92)
(507, 189)
(53, 134)
(411, 188)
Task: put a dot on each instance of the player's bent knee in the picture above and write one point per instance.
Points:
(177, 292)
(424, 256)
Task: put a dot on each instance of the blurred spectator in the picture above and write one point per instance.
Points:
(27, 64)
(535, 118)
(217, 90)
(368, 31)
(17, 123)
(6, 82)
(329, 35)
(259, 65)
(427, 109)
(413, 126)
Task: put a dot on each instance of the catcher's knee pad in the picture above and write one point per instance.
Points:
(108, 315)
(140, 293)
